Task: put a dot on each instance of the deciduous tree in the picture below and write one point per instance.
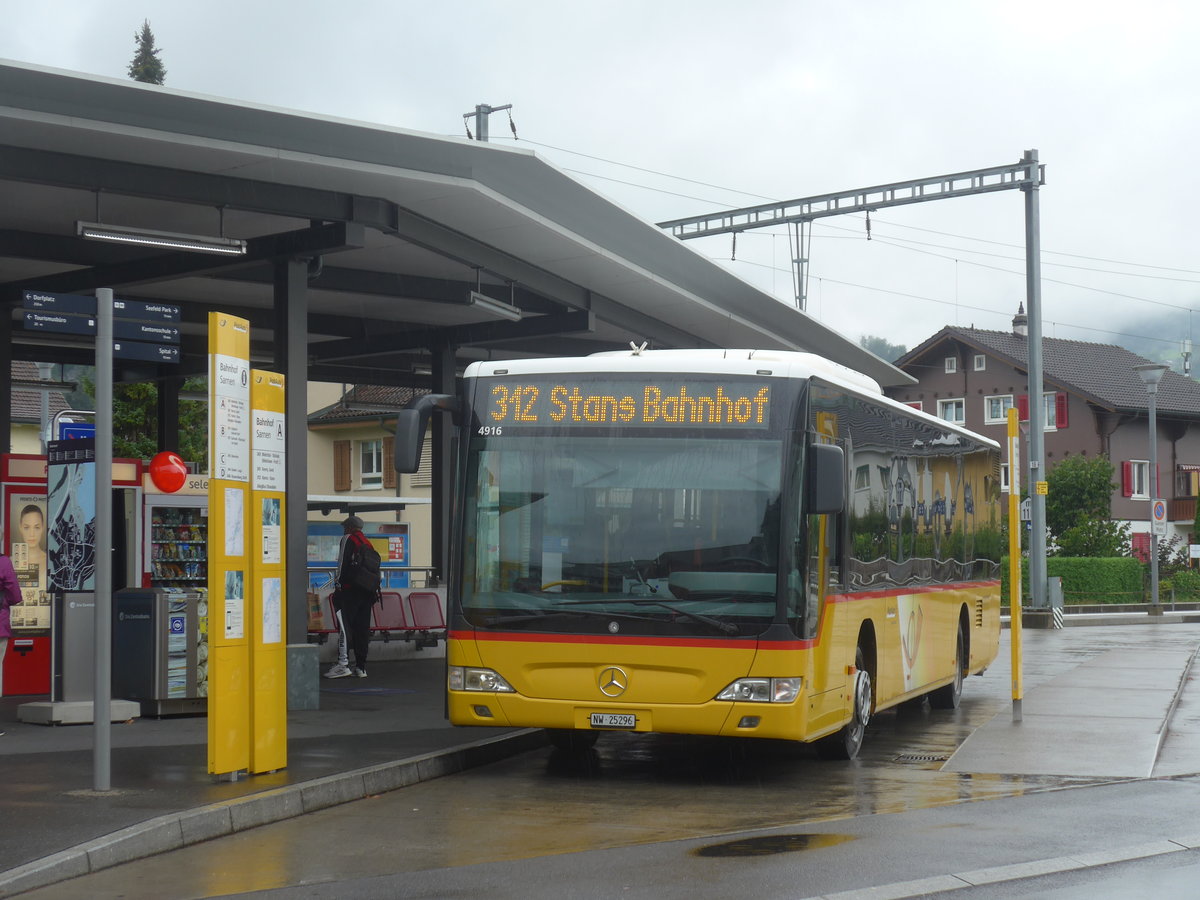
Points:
(1077, 508)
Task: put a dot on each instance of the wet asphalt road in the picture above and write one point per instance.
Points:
(633, 791)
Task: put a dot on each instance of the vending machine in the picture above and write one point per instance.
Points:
(175, 535)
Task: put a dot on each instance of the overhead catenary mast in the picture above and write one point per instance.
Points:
(1026, 175)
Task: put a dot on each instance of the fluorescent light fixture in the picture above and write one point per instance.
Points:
(195, 243)
(495, 307)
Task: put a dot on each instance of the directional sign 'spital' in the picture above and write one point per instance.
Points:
(160, 353)
(39, 321)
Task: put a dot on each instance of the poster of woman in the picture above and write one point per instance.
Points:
(27, 548)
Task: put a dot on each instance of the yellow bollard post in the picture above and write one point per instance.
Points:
(1014, 559)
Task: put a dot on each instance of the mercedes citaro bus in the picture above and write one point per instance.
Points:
(711, 542)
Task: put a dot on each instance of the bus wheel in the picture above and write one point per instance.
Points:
(947, 697)
(569, 740)
(846, 743)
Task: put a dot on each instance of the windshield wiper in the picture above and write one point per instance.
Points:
(723, 627)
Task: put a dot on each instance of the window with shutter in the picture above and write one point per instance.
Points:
(341, 465)
(370, 464)
(1135, 479)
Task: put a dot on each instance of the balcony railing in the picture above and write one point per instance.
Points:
(1182, 509)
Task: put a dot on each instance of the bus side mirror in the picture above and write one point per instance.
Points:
(826, 479)
(411, 423)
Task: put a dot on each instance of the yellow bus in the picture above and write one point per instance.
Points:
(714, 542)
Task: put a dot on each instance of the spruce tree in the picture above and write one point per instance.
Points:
(146, 66)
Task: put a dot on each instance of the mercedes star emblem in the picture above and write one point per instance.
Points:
(613, 682)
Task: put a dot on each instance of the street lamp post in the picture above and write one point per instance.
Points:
(1151, 374)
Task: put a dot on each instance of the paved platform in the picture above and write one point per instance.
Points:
(1124, 713)
(369, 735)
(1118, 702)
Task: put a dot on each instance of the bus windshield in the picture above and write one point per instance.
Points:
(607, 530)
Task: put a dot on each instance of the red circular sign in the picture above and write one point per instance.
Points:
(168, 471)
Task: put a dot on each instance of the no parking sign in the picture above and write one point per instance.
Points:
(1158, 517)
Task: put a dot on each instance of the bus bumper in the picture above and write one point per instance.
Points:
(786, 721)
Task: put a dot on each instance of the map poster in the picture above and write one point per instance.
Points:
(71, 502)
(235, 604)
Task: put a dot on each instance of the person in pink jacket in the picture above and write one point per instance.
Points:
(10, 594)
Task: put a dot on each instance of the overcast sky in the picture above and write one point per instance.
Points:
(683, 107)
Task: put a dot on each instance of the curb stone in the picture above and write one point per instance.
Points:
(175, 830)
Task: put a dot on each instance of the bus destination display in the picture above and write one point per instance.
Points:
(658, 403)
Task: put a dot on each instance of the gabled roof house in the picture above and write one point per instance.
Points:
(1094, 404)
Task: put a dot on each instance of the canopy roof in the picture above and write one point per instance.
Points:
(400, 228)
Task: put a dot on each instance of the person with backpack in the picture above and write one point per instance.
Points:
(358, 585)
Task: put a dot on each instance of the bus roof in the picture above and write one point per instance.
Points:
(781, 363)
(776, 363)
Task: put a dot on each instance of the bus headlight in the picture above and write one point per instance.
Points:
(763, 690)
(464, 678)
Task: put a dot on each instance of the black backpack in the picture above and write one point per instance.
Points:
(365, 564)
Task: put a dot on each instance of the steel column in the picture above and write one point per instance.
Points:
(291, 361)
(442, 427)
(102, 634)
(1037, 409)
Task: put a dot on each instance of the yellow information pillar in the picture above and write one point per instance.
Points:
(228, 489)
(268, 650)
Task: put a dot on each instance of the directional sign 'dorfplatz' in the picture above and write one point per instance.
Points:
(61, 313)
(60, 304)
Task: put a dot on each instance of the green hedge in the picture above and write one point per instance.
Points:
(1185, 583)
(1086, 579)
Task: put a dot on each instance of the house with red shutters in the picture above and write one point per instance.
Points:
(1094, 404)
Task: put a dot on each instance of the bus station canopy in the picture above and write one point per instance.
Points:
(398, 230)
